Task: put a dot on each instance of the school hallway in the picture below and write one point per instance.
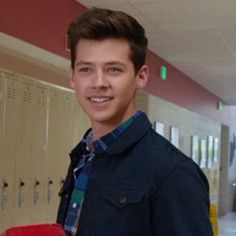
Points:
(227, 225)
(190, 99)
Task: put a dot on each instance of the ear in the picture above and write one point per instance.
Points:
(142, 77)
(71, 78)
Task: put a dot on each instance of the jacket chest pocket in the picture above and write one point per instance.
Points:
(122, 198)
(123, 204)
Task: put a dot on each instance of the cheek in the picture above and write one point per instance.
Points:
(81, 100)
(128, 88)
(126, 93)
(79, 91)
(79, 86)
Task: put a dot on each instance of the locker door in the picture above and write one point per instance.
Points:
(66, 140)
(1, 111)
(2, 187)
(8, 150)
(39, 128)
(59, 140)
(81, 121)
(86, 122)
(23, 162)
(77, 121)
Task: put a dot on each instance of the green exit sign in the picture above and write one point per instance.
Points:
(220, 105)
(163, 72)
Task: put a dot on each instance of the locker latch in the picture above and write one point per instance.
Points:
(36, 191)
(50, 193)
(4, 194)
(21, 197)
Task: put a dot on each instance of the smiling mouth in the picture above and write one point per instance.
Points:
(100, 99)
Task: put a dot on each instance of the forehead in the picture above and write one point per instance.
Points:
(103, 50)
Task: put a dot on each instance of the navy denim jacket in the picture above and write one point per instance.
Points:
(141, 186)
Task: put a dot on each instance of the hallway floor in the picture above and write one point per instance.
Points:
(227, 225)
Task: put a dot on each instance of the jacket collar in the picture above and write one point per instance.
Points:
(78, 150)
(133, 134)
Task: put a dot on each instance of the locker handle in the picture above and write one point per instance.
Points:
(50, 182)
(22, 183)
(5, 184)
(62, 181)
(37, 183)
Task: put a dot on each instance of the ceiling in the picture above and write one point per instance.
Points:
(196, 36)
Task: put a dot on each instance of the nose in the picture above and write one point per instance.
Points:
(100, 80)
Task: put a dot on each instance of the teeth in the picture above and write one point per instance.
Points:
(99, 99)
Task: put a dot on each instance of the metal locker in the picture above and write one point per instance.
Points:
(9, 115)
(85, 124)
(39, 145)
(23, 162)
(77, 128)
(59, 139)
(1, 108)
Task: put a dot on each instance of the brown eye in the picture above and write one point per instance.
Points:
(114, 69)
(84, 69)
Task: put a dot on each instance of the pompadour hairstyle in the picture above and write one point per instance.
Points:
(100, 24)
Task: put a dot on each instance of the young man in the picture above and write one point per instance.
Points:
(124, 179)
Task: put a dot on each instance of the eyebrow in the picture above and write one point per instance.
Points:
(110, 63)
(83, 63)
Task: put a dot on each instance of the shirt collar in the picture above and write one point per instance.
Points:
(102, 144)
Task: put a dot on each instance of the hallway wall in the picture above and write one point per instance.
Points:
(46, 30)
(41, 122)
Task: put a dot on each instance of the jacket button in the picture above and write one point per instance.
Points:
(123, 200)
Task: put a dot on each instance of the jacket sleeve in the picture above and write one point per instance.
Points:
(181, 205)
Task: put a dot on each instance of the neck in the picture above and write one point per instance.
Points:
(101, 129)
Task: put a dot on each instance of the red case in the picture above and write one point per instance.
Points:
(35, 230)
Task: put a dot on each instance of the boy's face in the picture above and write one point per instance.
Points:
(105, 81)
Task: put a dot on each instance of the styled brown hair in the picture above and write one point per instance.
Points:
(99, 24)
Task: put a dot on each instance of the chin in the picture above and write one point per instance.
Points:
(101, 119)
